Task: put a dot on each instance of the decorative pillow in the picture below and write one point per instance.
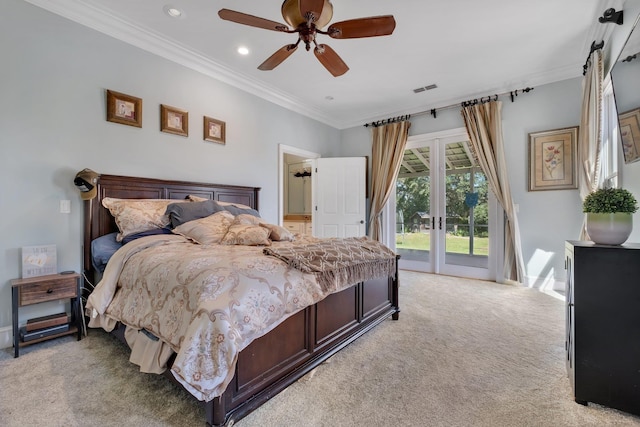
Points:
(152, 232)
(234, 208)
(208, 230)
(237, 205)
(179, 213)
(248, 219)
(195, 198)
(248, 235)
(137, 215)
(278, 233)
(102, 249)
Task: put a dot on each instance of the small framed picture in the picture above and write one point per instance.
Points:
(553, 159)
(630, 134)
(124, 109)
(214, 130)
(174, 120)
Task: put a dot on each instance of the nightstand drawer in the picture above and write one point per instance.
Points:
(50, 290)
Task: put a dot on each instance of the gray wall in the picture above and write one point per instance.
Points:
(52, 124)
(547, 218)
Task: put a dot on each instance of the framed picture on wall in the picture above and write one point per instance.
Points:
(174, 120)
(552, 159)
(630, 134)
(124, 109)
(214, 130)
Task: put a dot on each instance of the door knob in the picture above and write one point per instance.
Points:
(362, 221)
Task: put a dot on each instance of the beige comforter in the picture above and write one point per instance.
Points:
(207, 302)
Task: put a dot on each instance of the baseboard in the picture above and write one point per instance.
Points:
(547, 285)
(6, 337)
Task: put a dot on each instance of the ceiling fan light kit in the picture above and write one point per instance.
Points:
(308, 17)
(322, 10)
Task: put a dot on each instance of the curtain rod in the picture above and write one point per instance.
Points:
(594, 46)
(433, 111)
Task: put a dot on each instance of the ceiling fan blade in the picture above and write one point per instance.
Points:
(311, 6)
(276, 59)
(250, 20)
(363, 27)
(330, 59)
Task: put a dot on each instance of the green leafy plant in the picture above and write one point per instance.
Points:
(610, 200)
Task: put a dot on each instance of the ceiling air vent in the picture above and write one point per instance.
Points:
(422, 89)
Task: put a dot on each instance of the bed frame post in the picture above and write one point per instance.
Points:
(214, 412)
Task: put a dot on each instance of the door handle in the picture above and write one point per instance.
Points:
(440, 223)
(362, 221)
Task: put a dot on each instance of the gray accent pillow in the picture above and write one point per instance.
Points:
(239, 211)
(179, 213)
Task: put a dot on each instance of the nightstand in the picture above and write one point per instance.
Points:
(35, 290)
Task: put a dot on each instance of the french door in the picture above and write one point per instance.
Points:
(444, 210)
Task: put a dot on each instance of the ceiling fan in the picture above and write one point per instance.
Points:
(307, 17)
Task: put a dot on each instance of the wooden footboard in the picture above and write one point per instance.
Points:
(301, 343)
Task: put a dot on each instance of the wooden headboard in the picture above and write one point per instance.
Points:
(98, 221)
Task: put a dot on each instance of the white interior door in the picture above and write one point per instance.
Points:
(339, 185)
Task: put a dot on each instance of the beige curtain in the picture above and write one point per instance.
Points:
(389, 142)
(484, 125)
(591, 125)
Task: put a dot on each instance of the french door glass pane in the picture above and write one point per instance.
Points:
(413, 217)
(467, 210)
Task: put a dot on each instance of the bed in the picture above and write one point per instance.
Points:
(273, 361)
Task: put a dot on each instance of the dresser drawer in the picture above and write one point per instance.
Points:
(294, 226)
(49, 290)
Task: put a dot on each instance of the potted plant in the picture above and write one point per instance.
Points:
(609, 215)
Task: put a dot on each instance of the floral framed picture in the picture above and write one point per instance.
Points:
(124, 109)
(630, 134)
(214, 130)
(174, 120)
(552, 159)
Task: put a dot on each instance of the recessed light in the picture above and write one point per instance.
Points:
(243, 50)
(173, 12)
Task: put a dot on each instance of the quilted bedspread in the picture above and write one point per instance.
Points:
(207, 302)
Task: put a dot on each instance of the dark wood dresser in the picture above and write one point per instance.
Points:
(603, 324)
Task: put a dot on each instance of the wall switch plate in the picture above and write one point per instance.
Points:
(65, 206)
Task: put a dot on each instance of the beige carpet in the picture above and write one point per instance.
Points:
(464, 353)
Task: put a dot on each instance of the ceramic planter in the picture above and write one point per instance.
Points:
(609, 228)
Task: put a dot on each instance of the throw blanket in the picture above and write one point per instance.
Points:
(337, 262)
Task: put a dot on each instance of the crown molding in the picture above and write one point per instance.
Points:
(84, 13)
(532, 80)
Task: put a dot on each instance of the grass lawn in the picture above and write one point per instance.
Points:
(455, 244)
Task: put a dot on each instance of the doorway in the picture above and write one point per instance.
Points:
(295, 191)
(444, 210)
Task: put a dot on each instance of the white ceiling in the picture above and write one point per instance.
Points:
(468, 48)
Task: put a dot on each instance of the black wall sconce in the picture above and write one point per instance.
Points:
(610, 15)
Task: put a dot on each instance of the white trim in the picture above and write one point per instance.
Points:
(94, 17)
(6, 337)
(101, 20)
